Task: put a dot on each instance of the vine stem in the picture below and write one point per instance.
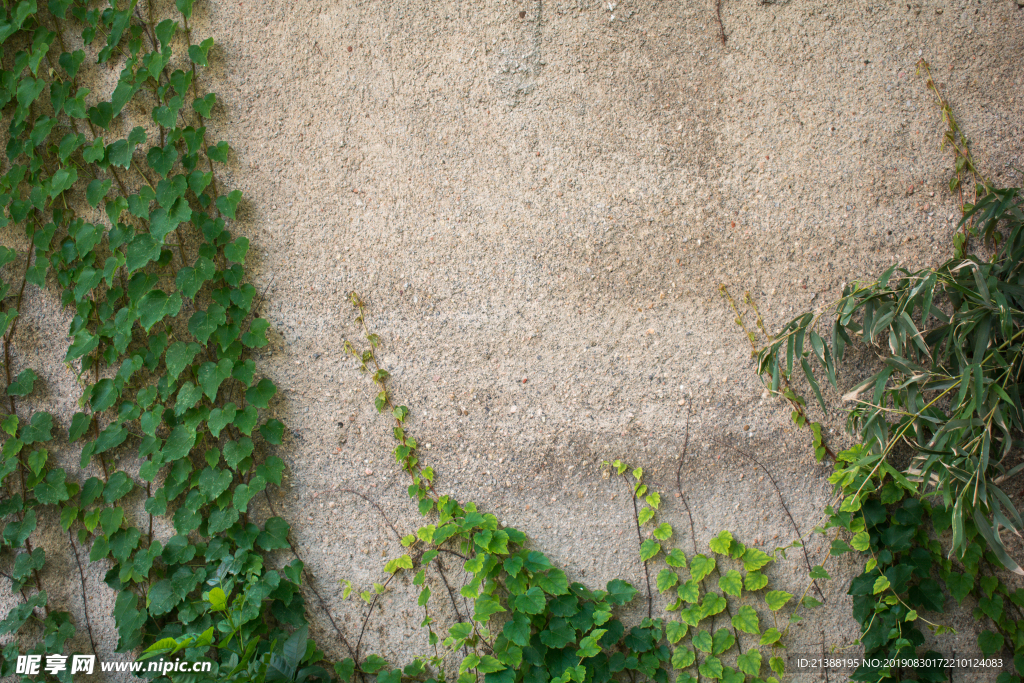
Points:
(771, 477)
(369, 612)
(718, 16)
(679, 479)
(387, 521)
(451, 594)
(640, 541)
(323, 603)
(8, 338)
(85, 597)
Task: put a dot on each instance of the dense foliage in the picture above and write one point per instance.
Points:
(947, 396)
(120, 209)
(948, 387)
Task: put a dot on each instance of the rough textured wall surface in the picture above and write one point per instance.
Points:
(539, 200)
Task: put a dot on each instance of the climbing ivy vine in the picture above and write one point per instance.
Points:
(531, 624)
(110, 195)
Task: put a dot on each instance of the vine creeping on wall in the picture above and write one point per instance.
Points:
(115, 191)
(110, 199)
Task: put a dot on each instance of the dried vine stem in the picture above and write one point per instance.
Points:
(718, 17)
(679, 479)
(85, 597)
(640, 540)
(323, 603)
(782, 501)
(377, 507)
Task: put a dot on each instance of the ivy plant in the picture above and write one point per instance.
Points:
(948, 385)
(113, 200)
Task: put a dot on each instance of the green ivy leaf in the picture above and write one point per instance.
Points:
(191, 279)
(110, 520)
(219, 152)
(530, 602)
(776, 600)
(52, 489)
(620, 592)
(517, 629)
(649, 549)
(245, 420)
(959, 585)
(746, 620)
(701, 566)
(222, 520)
(200, 53)
(553, 582)
(118, 486)
(256, 337)
(990, 643)
(861, 541)
(750, 662)
(722, 543)
(123, 542)
(754, 559)
(203, 106)
(663, 532)
(62, 180)
(345, 668)
(80, 423)
(713, 604)
(37, 460)
(179, 443)
(237, 451)
(722, 641)
(272, 431)
(260, 394)
(227, 205)
(163, 221)
(213, 482)
(755, 581)
(179, 356)
(188, 395)
(204, 323)
(683, 657)
(589, 646)
(485, 607)
(675, 631)
(770, 637)
(212, 375)
(666, 580)
(731, 583)
(156, 305)
(23, 383)
(689, 592)
(676, 558)
(142, 249)
(161, 599)
(702, 641)
(274, 535)
(490, 665)
(96, 191)
(161, 159)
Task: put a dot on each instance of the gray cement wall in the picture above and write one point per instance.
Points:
(538, 200)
